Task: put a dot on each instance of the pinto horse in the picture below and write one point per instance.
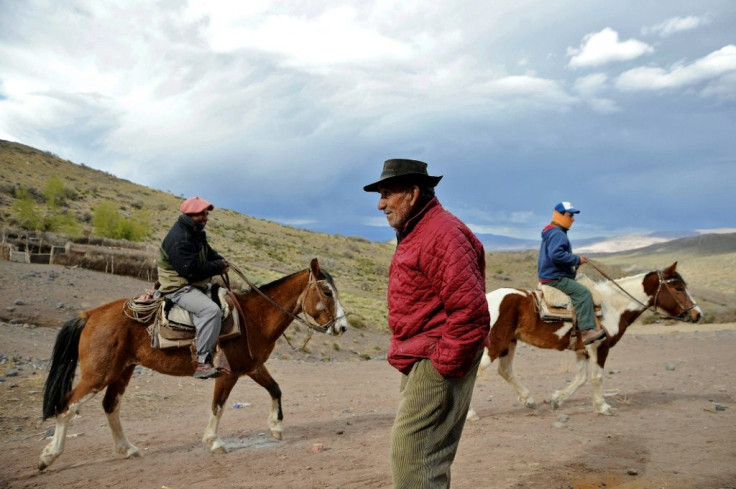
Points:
(515, 316)
(109, 345)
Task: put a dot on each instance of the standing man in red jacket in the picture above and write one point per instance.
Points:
(439, 321)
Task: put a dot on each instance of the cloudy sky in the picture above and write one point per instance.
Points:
(283, 110)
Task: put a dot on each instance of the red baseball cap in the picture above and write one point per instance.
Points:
(195, 205)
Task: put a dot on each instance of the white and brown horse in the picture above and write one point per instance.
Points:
(515, 317)
(109, 345)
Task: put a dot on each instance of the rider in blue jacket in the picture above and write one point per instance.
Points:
(557, 267)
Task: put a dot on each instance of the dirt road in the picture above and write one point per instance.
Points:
(672, 388)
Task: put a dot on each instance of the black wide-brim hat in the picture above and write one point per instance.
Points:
(413, 171)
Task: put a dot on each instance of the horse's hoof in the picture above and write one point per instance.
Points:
(530, 404)
(133, 454)
(472, 416)
(554, 404)
(219, 449)
(277, 434)
(606, 411)
(41, 466)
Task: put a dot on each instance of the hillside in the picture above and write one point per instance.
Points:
(266, 250)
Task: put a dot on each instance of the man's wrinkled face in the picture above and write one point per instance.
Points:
(397, 202)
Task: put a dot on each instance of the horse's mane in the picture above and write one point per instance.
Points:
(278, 281)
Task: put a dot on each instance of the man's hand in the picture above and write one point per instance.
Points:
(583, 259)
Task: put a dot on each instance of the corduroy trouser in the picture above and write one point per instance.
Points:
(428, 425)
(206, 316)
(581, 299)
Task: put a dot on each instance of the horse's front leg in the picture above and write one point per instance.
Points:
(597, 361)
(581, 362)
(223, 386)
(263, 378)
(111, 405)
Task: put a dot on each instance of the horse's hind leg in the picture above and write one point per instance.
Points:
(223, 386)
(111, 405)
(262, 376)
(581, 362)
(78, 396)
(485, 362)
(506, 370)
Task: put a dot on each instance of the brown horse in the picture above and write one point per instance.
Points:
(515, 316)
(109, 345)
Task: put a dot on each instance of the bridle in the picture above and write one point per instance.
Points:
(308, 320)
(662, 283)
(666, 283)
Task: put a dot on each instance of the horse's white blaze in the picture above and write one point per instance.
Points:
(494, 301)
(692, 301)
(342, 321)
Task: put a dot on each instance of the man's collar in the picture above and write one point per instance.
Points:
(414, 220)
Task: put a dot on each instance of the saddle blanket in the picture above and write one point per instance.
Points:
(172, 326)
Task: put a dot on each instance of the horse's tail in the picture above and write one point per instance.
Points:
(63, 365)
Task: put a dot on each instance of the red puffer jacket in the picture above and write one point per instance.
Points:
(437, 306)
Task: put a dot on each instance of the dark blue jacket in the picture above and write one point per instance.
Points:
(556, 259)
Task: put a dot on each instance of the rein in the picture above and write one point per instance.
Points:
(653, 308)
(309, 324)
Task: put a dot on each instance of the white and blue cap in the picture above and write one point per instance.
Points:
(563, 207)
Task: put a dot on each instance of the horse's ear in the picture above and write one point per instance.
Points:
(670, 270)
(314, 265)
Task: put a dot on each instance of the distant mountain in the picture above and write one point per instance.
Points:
(703, 244)
(495, 242)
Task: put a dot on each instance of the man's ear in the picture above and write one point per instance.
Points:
(415, 193)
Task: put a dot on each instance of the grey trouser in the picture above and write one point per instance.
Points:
(582, 301)
(428, 425)
(206, 316)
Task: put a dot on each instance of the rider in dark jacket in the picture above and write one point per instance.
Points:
(185, 265)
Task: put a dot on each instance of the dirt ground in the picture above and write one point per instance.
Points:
(672, 387)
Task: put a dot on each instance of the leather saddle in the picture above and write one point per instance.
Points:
(173, 326)
(554, 305)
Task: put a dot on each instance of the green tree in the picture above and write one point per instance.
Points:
(55, 192)
(106, 219)
(25, 211)
(62, 222)
(108, 222)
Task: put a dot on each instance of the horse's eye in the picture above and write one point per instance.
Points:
(327, 292)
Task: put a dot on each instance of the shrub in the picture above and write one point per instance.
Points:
(54, 192)
(62, 222)
(108, 222)
(25, 211)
